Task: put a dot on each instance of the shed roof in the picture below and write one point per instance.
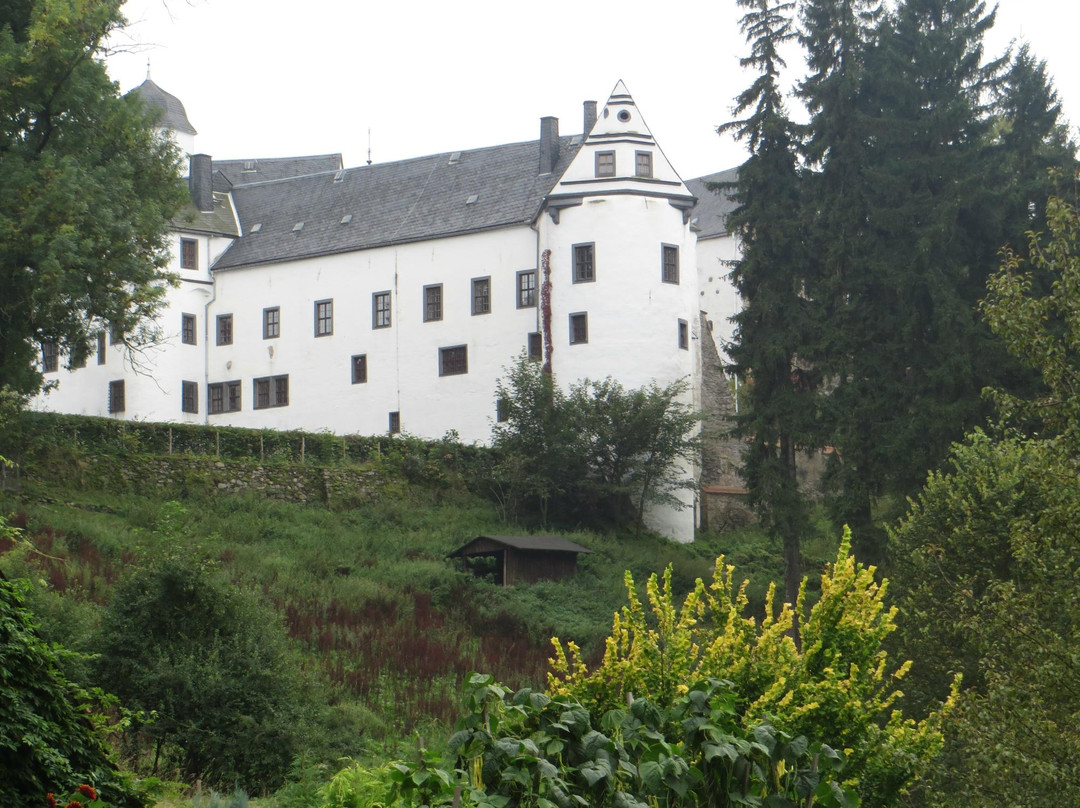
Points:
(554, 544)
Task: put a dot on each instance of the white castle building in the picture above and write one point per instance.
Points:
(392, 297)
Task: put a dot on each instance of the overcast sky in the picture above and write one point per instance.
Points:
(425, 77)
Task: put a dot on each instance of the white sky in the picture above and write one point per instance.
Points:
(426, 77)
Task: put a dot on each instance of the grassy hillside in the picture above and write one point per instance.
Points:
(367, 593)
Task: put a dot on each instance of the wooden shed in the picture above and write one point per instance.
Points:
(520, 559)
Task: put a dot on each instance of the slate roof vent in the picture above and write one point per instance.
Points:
(549, 144)
(472, 199)
(455, 158)
(339, 175)
(249, 165)
(298, 227)
(346, 218)
(255, 228)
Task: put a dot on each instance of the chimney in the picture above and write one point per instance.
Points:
(201, 182)
(549, 144)
(590, 118)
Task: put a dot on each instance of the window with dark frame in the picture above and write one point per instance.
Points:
(454, 361)
(502, 409)
(605, 164)
(684, 335)
(579, 328)
(359, 369)
(643, 164)
(584, 263)
(189, 253)
(481, 296)
(669, 263)
(223, 397)
(189, 397)
(187, 329)
(324, 318)
(74, 364)
(433, 303)
(50, 356)
(272, 322)
(271, 391)
(224, 329)
(526, 289)
(101, 348)
(116, 396)
(395, 422)
(116, 335)
(380, 310)
(536, 346)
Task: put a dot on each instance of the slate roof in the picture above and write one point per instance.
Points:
(241, 172)
(555, 544)
(712, 208)
(173, 115)
(220, 221)
(392, 203)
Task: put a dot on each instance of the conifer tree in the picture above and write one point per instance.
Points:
(769, 277)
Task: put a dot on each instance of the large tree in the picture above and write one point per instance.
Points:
(88, 185)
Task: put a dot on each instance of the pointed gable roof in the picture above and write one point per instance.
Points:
(173, 115)
(620, 134)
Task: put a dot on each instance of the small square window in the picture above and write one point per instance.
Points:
(454, 361)
(189, 253)
(432, 303)
(101, 348)
(116, 396)
(643, 164)
(684, 335)
(579, 328)
(536, 346)
(224, 329)
(481, 296)
(324, 318)
(380, 310)
(584, 263)
(359, 369)
(669, 262)
(526, 289)
(272, 322)
(271, 391)
(187, 329)
(189, 397)
(50, 356)
(223, 397)
(605, 164)
(395, 422)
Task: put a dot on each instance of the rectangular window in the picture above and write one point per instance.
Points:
(272, 322)
(643, 164)
(223, 397)
(187, 329)
(271, 391)
(380, 310)
(502, 410)
(224, 329)
(116, 335)
(526, 289)
(605, 164)
(324, 318)
(432, 303)
(189, 253)
(579, 328)
(454, 361)
(684, 335)
(50, 356)
(116, 396)
(101, 348)
(584, 265)
(481, 296)
(359, 369)
(536, 346)
(74, 363)
(669, 263)
(395, 422)
(189, 397)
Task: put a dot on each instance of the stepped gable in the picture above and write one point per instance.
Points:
(173, 115)
(441, 195)
(709, 216)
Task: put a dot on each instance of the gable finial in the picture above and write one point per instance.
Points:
(148, 68)
(369, 146)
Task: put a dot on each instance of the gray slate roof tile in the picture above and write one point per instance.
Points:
(713, 207)
(275, 168)
(173, 115)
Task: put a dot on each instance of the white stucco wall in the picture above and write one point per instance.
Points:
(718, 297)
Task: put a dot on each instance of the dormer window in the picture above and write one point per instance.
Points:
(605, 164)
(643, 164)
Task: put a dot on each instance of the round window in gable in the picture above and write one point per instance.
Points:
(624, 116)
